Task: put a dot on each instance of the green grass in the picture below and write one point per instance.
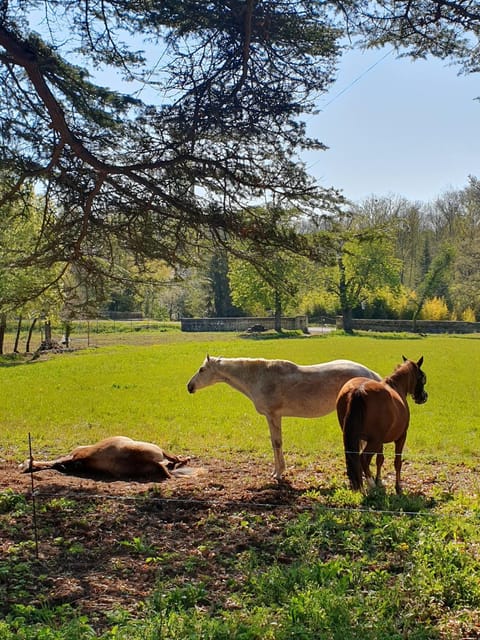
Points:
(140, 391)
(376, 567)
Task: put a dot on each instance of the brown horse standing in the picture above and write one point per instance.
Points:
(372, 413)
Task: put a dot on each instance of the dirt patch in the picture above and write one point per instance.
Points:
(105, 546)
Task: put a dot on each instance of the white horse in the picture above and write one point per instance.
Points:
(280, 388)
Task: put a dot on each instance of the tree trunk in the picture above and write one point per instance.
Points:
(344, 298)
(17, 335)
(47, 342)
(67, 332)
(3, 326)
(30, 332)
(278, 312)
(347, 320)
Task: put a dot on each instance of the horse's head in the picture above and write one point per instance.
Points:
(420, 396)
(205, 376)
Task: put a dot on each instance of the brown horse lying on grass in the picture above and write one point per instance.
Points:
(117, 457)
(280, 388)
(372, 413)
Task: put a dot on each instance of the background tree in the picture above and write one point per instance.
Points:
(364, 263)
(22, 288)
(271, 279)
(465, 281)
(434, 281)
(271, 290)
(207, 119)
(221, 298)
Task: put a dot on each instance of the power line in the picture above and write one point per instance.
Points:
(358, 78)
(347, 88)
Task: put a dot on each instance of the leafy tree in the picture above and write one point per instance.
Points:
(365, 263)
(404, 222)
(271, 278)
(221, 298)
(25, 290)
(206, 120)
(445, 29)
(273, 288)
(465, 286)
(225, 84)
(433, 281)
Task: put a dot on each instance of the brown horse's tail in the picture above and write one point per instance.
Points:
(352, 426)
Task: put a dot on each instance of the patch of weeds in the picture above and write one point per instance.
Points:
(10, 359)
(194, 564)
(342, 497)
(181, 598)
(245, 521)
(59, 504)
(165, 558)
(139, 546)
(446, 564)
(464, 503)
(71, 547)
(76, 548)
(315, 495)
(29, 622)
(324, 531)
(379, 499)
(18, 579)
(13, 503)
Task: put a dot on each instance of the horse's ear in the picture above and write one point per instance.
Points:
(420, 362)
(404, 359)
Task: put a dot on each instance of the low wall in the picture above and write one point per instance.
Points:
(125, 315)
(423, 326)
(241, 324)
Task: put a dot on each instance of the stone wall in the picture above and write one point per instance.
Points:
(423, 326)
(242, 324)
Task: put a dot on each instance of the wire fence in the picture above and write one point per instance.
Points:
(294, 500)
(84, 333)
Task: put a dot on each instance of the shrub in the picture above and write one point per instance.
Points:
(434, 309)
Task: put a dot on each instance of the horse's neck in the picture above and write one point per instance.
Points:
(400, 381)
(239, 375)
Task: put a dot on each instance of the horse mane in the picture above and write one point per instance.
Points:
(260, 362)
(391, 380)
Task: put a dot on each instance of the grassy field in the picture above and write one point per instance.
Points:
(320, 563)
(140, 391)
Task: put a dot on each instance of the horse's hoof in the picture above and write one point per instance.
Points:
(277, 476)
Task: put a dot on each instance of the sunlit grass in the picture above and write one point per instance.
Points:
(347, 566)
(140, 391)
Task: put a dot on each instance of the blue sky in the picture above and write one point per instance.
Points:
(400, 128)
(394, 127)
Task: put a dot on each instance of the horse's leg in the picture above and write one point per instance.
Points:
(176, 461)
(275, 426)
(366, 459)
(59, 464)
(398, 461)
(380, 460)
